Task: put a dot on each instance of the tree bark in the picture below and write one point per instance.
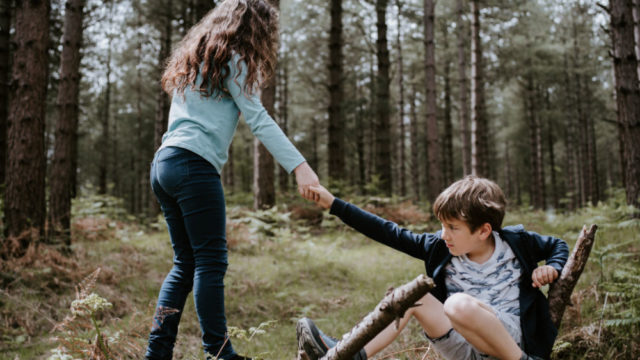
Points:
(560, 290)
(24, 205)
(552, 156)
(5, 56)
(263, 164)
(534, 129)
(569, 139)
(415, 166)
(336, 74)
(479, 130)
(383, 126)
(627, 87)
(434, 170)
(392, 307)
(66, 139)
(464, 90)
(447, 139)
(283, 177)
(162, 102)
(401, 127)
(105, 141)
(636, 30)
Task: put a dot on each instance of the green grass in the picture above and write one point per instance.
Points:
(282, 270)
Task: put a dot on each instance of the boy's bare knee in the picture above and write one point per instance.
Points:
(460, 306)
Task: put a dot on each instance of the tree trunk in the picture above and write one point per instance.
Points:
(67, 125)
(5, 56)
(106, 138)
(162, 103)
(263, 164)
(569, 140)
(479, 130)
(447, 143)
(590, 140)
(383, 126)
(413, 133)
(434, 170)
(24, 205)
(283, 177)
(540, 157)
(336, 74)
(534, 130)
(392, 307)
(636, 30)
(560, 290)
(552, 156)
(627, 87)
(401, 127)
(360, 149)
(464, 90)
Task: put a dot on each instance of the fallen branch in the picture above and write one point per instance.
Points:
(392, 307)
(560, 291)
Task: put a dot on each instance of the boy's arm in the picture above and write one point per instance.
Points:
(375, 227)
(554, 251)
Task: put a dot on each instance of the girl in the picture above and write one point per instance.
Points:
(214, 75)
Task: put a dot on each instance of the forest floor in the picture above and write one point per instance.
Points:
(286, 264)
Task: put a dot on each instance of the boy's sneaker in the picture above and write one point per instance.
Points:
(315, 343)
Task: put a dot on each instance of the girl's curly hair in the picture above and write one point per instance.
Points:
(248, 28)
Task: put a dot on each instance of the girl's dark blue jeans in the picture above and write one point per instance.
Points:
(191, 197)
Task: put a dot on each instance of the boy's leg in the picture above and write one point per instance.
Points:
(479, 325)
(430, 315)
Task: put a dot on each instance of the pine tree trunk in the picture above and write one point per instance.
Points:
(263, 164)
(636, 30)
(401, 127)
(540, 157)
(336, 121)
(105, 141)
(447, 143)
(552, 157)
(569, 139)
(464, 90)
(383, 125)
(360, 148)
(283, 176)
(373, 123)
(5, 56)
(627, 88)
(479, 131)
(531, 115)
(24, 205)
(162, 102)
(413, 133)
(67, 125)
(590, 140)
(434, 170)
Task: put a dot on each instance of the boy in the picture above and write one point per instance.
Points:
(483, 305)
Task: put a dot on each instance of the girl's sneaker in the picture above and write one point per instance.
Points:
(315, 343)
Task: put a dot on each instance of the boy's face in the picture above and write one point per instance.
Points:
(460, 240)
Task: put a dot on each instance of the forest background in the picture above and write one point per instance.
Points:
(389, 101)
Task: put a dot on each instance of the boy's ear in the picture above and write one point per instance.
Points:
(485, 230)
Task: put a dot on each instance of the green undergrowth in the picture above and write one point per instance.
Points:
(294, 261)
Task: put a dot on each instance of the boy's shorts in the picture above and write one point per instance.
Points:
(452, 346)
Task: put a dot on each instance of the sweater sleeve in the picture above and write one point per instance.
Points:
(383, 231)
(261, 124)
(552, 250)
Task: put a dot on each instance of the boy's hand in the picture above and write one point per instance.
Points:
(322, 196)
(543, 275)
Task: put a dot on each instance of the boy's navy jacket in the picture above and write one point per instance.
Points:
(538, 332)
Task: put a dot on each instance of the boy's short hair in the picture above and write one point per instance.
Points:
(473, 200)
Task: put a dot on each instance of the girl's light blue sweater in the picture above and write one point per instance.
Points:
(206, 125)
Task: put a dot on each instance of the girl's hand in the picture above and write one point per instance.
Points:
(543, 275)
(306, 177)
(322, 196)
